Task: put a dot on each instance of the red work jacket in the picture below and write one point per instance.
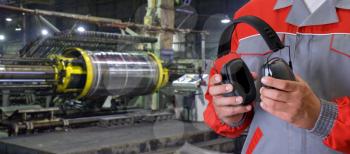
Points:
(320, 47)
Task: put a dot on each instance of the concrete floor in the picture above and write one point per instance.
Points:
(100, 140)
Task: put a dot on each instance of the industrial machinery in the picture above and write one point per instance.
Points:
(73, 78)
(189, 100)
(79, 74)
(86, 74)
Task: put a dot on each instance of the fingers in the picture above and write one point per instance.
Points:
(272, 111)
(215, 89)
(298, 78)
(215, 79)
(275, 94)
(232, 111)
(220, 89)
(284, 85)
(255, 75)
(272, 106)
(227, 101)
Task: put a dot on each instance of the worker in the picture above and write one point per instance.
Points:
(310, 115)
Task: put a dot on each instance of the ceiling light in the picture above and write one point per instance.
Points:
(81, 29)
(225, 21)
(8, 19)
(44, 32)
(18, 29)
(2, 37)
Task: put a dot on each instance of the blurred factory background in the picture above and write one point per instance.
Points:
(109, 76)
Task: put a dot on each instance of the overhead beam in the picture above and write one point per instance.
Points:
(108, 22)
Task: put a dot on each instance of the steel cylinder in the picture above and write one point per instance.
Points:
(121, 74)
(26, 72)
(26, 77)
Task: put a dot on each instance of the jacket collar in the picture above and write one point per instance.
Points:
(299, 14)
(280, 4)
(343, 4)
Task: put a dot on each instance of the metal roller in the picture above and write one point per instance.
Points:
(26, 72)
(86, 74)
(23, 77)
(120, 74)
(123, 73)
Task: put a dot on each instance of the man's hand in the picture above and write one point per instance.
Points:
(291, 101)
(228, 109)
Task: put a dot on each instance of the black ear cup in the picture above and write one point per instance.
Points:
(238, 75)
(236, 71)
(279, 69)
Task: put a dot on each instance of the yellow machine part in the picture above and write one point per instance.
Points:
(163, 77)
(89, 71)
(65, 65)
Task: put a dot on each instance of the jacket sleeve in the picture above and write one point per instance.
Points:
(333, 124)
(210, 116)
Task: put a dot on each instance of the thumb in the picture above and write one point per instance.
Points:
(299, 78)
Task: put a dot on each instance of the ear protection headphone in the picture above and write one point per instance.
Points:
(237, 73)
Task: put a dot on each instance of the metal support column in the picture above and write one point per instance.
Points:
(203, 52)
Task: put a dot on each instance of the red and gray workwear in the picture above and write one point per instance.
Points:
(320, 51)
